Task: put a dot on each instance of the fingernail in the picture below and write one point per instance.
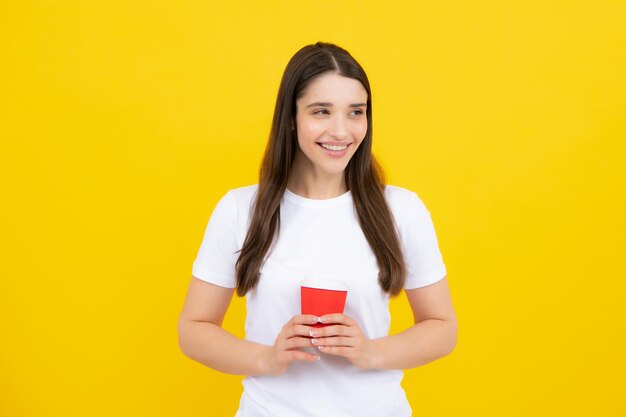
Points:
(313, 333)
(316, 320)
(317, 358)
(314, 341)
(322, 320)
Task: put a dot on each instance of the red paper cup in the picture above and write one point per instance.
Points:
(322, 296)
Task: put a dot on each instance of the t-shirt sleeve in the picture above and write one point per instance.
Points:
(218, 253)
(421, 249)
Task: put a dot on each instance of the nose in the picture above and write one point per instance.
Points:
(338, 128)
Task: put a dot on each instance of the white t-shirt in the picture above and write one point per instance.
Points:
(319, 238)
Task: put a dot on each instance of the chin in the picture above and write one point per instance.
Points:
(335, 170)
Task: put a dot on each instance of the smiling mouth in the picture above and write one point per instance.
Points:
(333, 147)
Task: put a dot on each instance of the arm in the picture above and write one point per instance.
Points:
(431, 337)
(201, 337)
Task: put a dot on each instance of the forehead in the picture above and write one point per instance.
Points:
(334, 88)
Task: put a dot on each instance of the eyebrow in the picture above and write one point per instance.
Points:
(326, 104)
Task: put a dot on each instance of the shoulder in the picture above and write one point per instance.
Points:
(406, 206)
(242, 196)
(235, 203)
(399, 199)
(233, 209)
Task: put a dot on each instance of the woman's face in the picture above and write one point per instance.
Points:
(331, 123)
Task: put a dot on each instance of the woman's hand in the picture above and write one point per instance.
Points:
(343, 337)
(293, 336)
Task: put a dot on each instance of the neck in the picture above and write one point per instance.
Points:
(317, 190)
(316, 185)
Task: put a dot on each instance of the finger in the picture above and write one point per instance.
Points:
(302, 319)
(335, 341)
(334, 330)
(347, 352)
(297, 330)
(296, 343)
(338, 318)
(298, 355)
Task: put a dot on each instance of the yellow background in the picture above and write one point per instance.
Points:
(123, 123)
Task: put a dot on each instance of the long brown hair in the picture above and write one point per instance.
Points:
(363, 175)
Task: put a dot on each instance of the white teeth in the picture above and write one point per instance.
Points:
(333, 147)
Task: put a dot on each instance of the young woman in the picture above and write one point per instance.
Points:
(320, 209)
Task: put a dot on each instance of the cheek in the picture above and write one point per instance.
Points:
(309, 130)
(360, 131)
